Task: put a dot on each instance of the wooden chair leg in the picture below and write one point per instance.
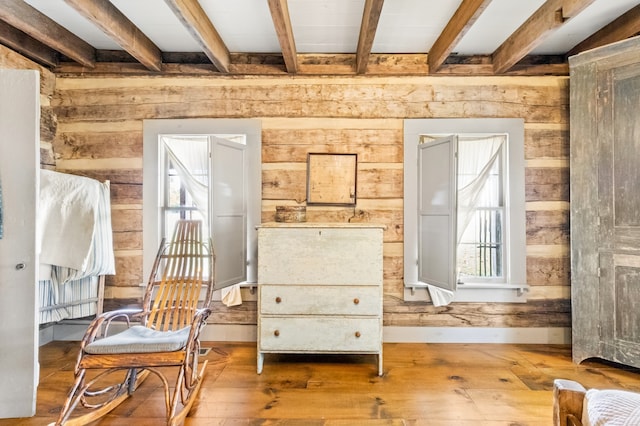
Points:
(81, 389)
(176, 417)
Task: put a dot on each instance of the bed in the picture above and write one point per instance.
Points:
(75, 245)
(574, 405)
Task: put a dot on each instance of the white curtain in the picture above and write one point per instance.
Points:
(476, 159)
(189, 156)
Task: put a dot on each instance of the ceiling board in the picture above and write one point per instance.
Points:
(499, 20)
(244, 25)
(330, 26)
(594, 17)
(161, 26)
(410, 26)
(69, 18)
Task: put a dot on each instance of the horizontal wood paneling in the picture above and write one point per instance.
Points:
(99, 134)
(99, 145)
(534, 313)
(548, 271)
(9, 59)
(547, 183)
(128, 240)
(546, 143)
(128, 272)
(548, 227)
(48, 120)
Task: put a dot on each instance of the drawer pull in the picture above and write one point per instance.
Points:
(356, 301)
(276, 333)
(278, 299)
(357, 334)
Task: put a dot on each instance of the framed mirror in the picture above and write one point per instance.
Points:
(331, 179)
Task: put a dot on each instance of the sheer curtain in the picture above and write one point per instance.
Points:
(189, 156)
(476, 159)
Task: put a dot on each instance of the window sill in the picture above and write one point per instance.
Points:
(496, 293)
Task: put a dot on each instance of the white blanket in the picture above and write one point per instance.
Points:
(66, 218)
(611, 407)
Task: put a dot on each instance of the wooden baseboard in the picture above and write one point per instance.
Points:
(73, 330)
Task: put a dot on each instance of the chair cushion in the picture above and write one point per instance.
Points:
(611, 408)
(140, 339)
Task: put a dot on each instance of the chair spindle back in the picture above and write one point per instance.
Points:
(184, 268)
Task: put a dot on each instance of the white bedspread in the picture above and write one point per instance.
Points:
(611, 408)
(66, 218)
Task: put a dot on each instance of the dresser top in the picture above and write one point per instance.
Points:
(320, 225)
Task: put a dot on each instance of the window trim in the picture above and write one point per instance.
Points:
(515, 289)
(153, 192)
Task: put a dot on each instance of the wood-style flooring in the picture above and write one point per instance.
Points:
(423, 384)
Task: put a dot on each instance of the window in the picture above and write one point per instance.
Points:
(210, 170)
(464, 210)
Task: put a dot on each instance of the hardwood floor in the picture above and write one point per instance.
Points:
(423, 384)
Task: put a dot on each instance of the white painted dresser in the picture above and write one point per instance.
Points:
(320, 289)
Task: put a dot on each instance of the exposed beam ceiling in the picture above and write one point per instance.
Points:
(313, 37)
(460, 23)
(548, 18)
(198, 24)
(627, 25)
(282, 23)
(370, 17)
(44, 29)
(26, 45)
(114, 24)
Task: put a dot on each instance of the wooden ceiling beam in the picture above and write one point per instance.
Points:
(200, 27)
(104, 15)
(368, 28)
(343, 64)
(625, 26)
(282, 24)
(461, 21)
(548, 18)
(31, 21)
(27, 45)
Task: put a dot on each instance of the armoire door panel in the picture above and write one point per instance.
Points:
(626, 146)
(627, 297)
(627, 238)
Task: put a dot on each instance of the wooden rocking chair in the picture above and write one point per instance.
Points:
(168, 335)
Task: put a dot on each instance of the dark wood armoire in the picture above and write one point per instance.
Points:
(605, 203)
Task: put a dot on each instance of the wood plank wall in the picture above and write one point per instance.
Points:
(12, 60)
(99, 134)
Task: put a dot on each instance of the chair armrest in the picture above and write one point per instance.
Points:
(198, 323)
(99, 326)
(568, 397)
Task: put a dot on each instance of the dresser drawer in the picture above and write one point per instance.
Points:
(299, 334)
(334, 256)
(320, 300)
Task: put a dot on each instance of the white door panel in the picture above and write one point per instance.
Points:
(19, 171)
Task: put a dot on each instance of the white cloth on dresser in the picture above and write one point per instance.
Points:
(66, 218)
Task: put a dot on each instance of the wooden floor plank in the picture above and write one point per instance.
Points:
(423, 384)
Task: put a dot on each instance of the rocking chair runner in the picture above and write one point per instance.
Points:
(168, 336)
